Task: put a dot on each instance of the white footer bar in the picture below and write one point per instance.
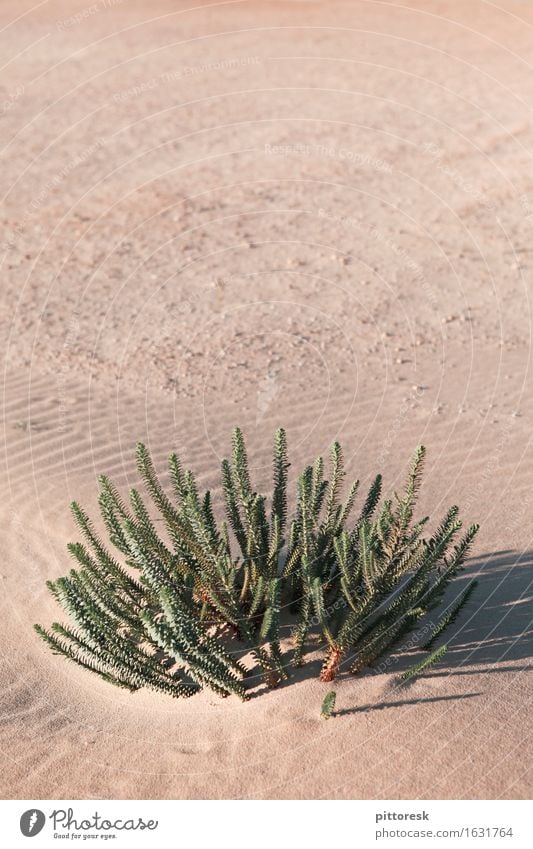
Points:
(263, 824)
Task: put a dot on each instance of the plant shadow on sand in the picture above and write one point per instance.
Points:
(493, 632)
(404, 703)
(497, 626)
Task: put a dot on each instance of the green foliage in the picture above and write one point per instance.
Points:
(183, 596)
(450, 615)
(415, 670)
(328, 705)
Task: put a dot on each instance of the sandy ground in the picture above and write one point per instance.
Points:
(313, 214)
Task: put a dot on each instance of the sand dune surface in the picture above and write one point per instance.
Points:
(308, 214)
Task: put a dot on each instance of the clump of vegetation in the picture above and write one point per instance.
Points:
(181, 610)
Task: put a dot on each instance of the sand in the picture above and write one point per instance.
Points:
(308, 214)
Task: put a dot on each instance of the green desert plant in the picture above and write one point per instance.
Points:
(424, 664)
(205, 602)
(328, 705)
(450, 615)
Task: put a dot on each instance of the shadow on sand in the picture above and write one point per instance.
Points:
(496, 626)
(402, 702)
(494, 629)
(492, 632)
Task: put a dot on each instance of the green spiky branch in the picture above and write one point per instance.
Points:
(180, 612)
(423, 665)
(328, 705)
